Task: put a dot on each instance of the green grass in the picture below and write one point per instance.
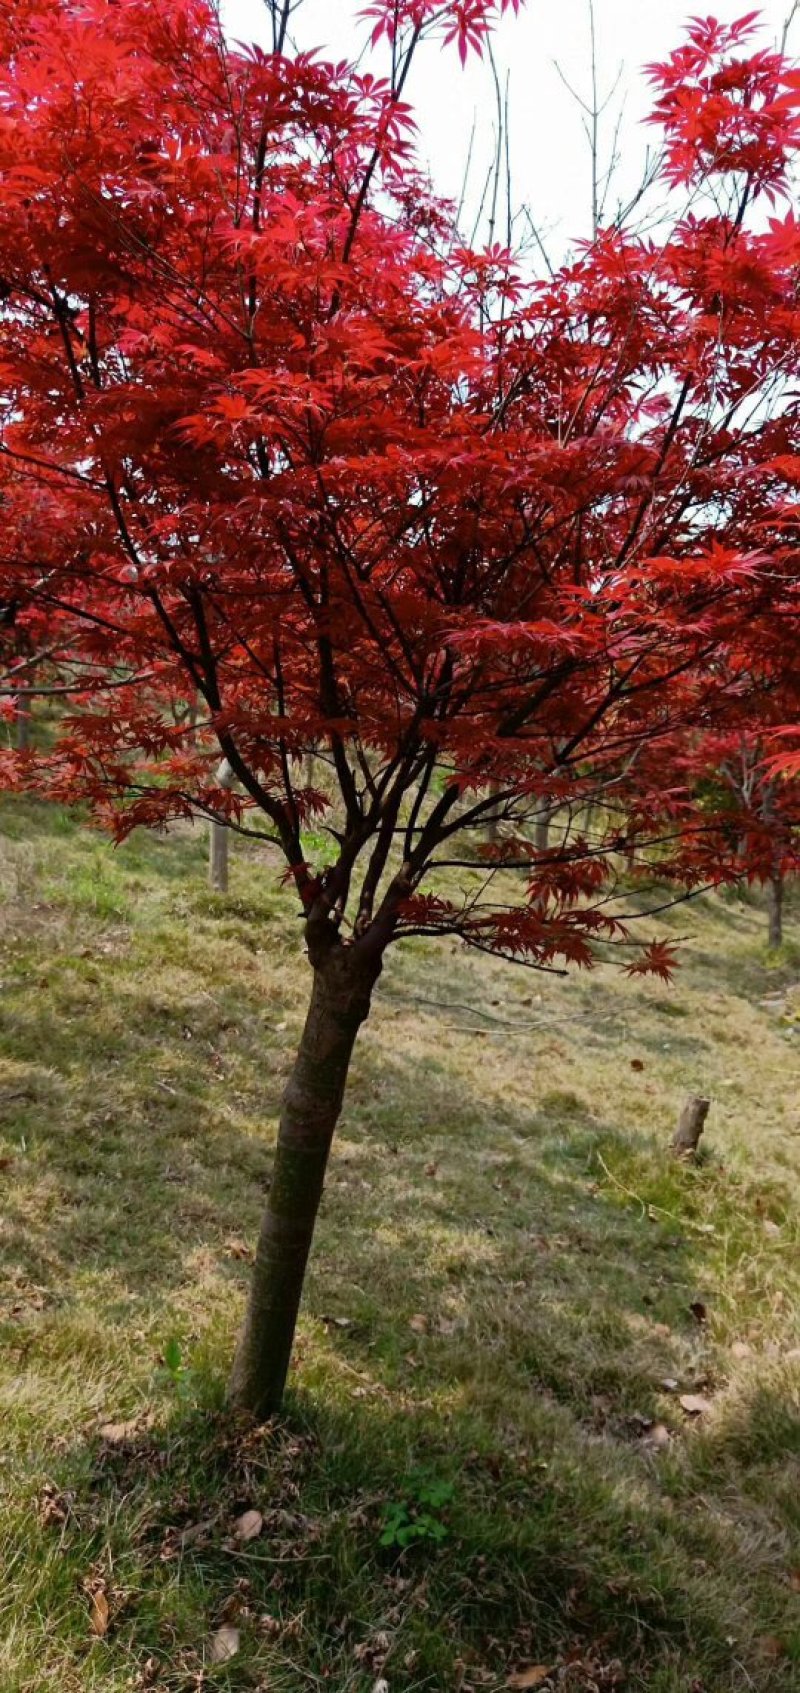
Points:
(511, 1253)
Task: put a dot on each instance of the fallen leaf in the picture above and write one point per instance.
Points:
(236, 1248)
(670, 1384)
(699, 1311)
(771, 1646)
(533, 1676)
(224, 1645)
(115, 1433)
(740, 1349)
(248, 1526)
(419, 1323)
(98, 1612)
(636, 1064)
(694, 1404)
(771, 1229)
(794, 1580)
(658, 1437)
(431, 1169)
(337, 1322)
(380, 1686)
(54, 1507)
(32, 1300)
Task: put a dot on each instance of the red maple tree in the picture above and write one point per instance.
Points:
(274, 439)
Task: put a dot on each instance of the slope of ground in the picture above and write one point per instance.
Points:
(514, 1287)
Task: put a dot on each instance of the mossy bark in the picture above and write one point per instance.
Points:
(312, 1101)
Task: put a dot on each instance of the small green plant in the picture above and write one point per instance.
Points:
(174, 1374)
(417, 1517)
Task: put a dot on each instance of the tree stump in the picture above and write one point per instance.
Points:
(691, 1124)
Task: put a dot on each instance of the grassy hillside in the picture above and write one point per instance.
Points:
(513, 1288)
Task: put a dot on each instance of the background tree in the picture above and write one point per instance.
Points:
(479, 543)
(734, 776)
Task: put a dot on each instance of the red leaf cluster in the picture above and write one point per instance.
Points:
(285, 469)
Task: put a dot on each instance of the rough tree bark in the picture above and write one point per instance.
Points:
(691, 1124)
(344, 977)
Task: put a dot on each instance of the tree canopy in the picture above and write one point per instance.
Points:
(273, 436)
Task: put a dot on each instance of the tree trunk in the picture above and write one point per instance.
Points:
(492, 821)
(775, 908)
(218, 840)
(691, 1124)
(340, 1000)
(218, 858)
(542, 828)
(23, 725)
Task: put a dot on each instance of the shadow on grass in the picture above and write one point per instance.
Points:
(551, 1553)
(145, 1142)
(143, 1119)
(113, 1113)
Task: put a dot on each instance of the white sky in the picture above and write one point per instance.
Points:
(550, 162)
